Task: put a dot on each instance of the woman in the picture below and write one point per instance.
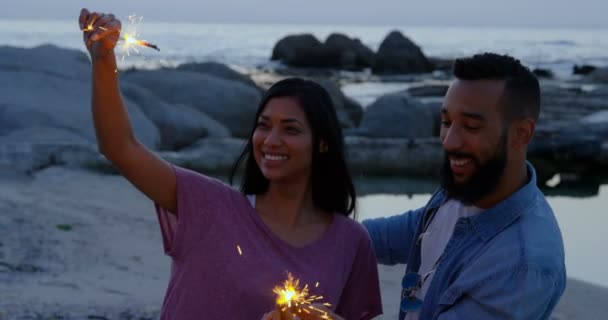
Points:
(230, 249)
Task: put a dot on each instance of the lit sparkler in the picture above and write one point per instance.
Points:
(129, 36)
(290, 298)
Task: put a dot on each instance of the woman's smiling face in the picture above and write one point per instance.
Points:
(282, 141)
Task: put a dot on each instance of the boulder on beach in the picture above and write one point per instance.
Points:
(301, 50)
(29, 149)
(345, 53)
(583, 69)
(349, 111)
(560, 105)
(31, 98)
(397, 115)
(338, 51)
(47, 59)
(428, 90)
(543, 73)
(231, 103)
(219, 70)
(179, 125)
(599, 75)
(398, 55)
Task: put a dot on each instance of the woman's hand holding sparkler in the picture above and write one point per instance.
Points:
(322, 313)
(101, 32)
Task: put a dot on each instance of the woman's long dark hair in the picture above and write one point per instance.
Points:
(332, 185)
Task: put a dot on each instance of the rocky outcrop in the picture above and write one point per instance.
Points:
(345, 53)
(599, 75)
(397, 115)
(31, 98)
(49, 60)
(398, 55)
(179, 125)
(218, 70)
(349, 111)
(231, 103)
(339, 52)
(301, 50)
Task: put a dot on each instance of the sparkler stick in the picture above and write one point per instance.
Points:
(129, 37)
(292, 299)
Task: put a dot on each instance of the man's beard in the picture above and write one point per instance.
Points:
(482, 182)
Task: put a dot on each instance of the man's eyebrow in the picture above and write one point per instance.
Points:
(473, 115)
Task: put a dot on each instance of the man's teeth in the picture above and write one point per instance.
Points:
(274, 157)
(460, 162)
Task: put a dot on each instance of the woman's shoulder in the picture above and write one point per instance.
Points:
(351, 227)
(192, 181)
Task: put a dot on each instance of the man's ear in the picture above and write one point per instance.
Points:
(523, 132)
(323, 147)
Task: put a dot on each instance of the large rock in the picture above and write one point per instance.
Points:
(596, 123)
(428, 90)
(398, 55)
(230, 102)
(343, 52)
(599, 75)
(583, 69)
(560, 104)
(46, 59)
(209, 155)
(339, 52)
(27, 150)
(32, 98)
(394, 157)
(301, 50)
(349, 111)
(397, 116)
(178, 124)
(218, 70)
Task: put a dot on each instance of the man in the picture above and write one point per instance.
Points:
(487, 244)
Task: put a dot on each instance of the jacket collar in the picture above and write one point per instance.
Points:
(493, 220)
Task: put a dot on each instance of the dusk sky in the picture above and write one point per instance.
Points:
(549, 13)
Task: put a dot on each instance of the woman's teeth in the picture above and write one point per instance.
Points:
(274, 157)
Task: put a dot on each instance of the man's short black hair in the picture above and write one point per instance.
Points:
(521, 97)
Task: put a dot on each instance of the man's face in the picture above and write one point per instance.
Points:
(474, 138)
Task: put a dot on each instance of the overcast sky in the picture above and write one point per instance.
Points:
(549, 13)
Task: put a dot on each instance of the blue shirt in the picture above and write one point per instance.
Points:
(505, 263)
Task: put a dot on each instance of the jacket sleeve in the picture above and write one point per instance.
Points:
(392, 237)
(525, 292)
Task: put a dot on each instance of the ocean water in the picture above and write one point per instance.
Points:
(250, 45)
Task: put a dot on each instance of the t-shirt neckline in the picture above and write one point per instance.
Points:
(251, 198)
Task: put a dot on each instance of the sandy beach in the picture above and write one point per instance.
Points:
(77, 244)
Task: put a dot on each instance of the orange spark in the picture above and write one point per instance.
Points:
(290, 296)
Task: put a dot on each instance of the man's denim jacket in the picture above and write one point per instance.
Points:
(505, 263)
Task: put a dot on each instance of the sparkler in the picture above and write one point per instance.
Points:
(290, 298)
(129, 36)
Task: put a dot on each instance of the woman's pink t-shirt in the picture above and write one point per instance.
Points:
(226, 261)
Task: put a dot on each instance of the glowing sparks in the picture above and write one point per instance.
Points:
(130, 37)
(239, 249)
(317, 285)
(298, 301)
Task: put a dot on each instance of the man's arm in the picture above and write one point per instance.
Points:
(524, 292)
(392, 237)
